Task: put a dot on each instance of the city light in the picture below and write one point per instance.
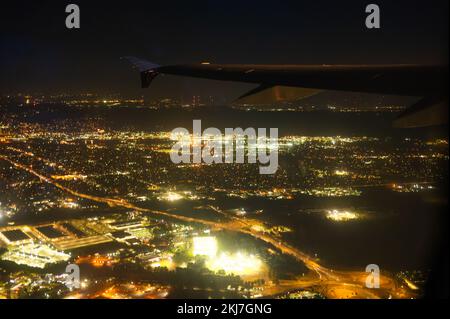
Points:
(237, 264)
(341, 216)
(340, 172)
(205, 246)
(241, 212)
(35, 255)
(69, 203)
(170, 197)
(411, 188)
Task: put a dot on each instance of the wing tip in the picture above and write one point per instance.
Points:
(427, 112)
(140, 64)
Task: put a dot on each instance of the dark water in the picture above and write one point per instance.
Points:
(398, 231)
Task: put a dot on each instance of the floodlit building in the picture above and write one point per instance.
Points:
(205, 246)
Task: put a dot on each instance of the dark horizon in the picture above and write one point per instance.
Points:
(38, 54)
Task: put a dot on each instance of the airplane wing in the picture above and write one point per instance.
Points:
(429, 82)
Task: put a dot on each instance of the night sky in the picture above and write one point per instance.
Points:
(38, 53)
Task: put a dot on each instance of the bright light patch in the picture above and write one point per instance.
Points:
(170, 196)
(241, 212)
(237, 264)
(340, 172)
(35, 255)
(341, 215)
(69, 203)
(205, 246)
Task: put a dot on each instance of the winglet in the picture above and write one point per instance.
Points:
(141, 65)
(148, 70)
